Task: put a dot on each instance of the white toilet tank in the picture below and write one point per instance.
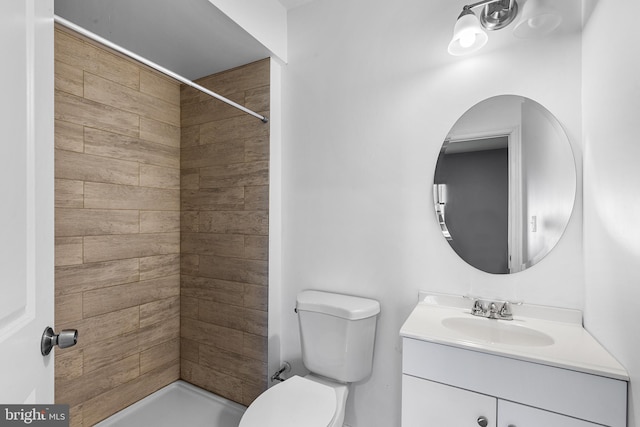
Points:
(337, 333)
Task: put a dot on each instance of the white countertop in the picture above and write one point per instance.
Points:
(572, 348)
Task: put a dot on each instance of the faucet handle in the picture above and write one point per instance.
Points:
(477, 307)
(505, 311)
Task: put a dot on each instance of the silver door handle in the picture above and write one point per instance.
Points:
(66, 338)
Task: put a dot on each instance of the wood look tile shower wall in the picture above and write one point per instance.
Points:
(224, 235)
(117, 226)
(161, 231)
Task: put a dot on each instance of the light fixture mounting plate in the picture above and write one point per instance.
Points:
(498, 14)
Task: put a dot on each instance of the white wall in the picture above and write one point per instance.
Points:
(275, 217)
(266, 20)
(611, 93)
(369, 96)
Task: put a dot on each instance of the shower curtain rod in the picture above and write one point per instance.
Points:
(155, 66)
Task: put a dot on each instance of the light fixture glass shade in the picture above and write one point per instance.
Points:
(468, 36)
(537, 20)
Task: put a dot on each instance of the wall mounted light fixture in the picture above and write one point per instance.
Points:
(538, 19)
(469, 36)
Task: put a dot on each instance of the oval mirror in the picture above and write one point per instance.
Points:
(504, 184)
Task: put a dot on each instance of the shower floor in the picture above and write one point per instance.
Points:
(178, 404)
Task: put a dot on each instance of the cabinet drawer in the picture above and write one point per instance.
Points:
(576, 394)
(514, 415)
(429, 404)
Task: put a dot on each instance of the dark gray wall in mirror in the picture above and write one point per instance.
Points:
(477, 205)
(504, 185)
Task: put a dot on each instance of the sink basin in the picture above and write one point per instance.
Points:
(497, 331)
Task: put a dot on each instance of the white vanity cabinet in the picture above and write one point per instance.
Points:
(448, 386)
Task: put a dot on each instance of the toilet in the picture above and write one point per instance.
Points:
(337, 333)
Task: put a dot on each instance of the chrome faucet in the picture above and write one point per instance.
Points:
(492, 309)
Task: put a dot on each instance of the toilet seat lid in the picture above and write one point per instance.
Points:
(293, 403)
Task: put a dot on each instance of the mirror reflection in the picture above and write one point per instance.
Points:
(504, 184)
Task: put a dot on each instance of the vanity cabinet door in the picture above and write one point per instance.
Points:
(514, 415)
(428, 404)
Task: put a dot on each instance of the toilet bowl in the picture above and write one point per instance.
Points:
(300, 401)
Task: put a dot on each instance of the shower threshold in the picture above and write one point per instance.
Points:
(178, 404)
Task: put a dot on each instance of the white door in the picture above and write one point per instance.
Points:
(26, 199)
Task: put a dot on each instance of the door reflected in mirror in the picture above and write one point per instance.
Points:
(504, 184)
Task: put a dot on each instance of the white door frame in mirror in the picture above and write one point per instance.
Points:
(515, 222)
